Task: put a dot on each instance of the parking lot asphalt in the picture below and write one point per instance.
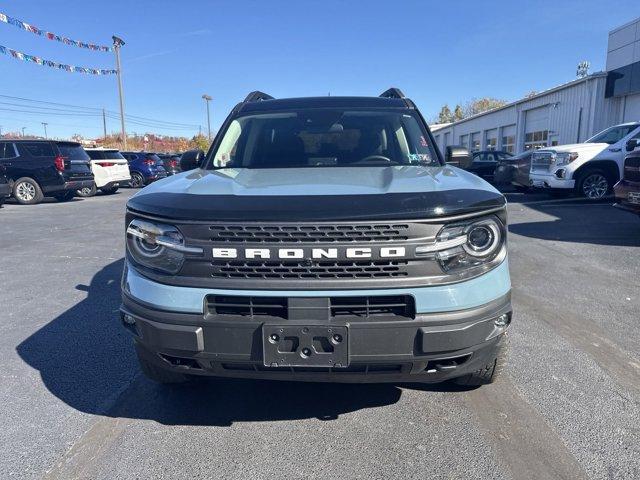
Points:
(74, 404)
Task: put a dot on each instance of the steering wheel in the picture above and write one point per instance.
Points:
(375, 157)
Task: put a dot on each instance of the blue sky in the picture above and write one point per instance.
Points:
(436, 52)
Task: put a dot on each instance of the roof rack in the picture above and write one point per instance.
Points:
(257, 96)
(392, 93)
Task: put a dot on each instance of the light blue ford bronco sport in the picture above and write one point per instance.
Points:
(320, 239)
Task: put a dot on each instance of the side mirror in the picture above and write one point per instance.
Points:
(633, 144)
(458, 157)
(191, 159)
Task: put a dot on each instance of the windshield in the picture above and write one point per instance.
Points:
(325, 138)
(613, 135)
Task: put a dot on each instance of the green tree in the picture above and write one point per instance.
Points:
(445, 115)
(201, 142)
(458, 114)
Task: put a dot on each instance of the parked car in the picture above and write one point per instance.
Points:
(514, 171)
(590, 168)
(145, 167)
(627, 190)
(110, 170)
(5, 187)
(484, 162)
(39, 168)
(321, 239)
(170, 162)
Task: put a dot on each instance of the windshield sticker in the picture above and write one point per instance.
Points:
(423, 141)
(419, 158)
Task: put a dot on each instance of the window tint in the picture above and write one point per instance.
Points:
(95, 154)
(7, 150)
(325, 138)
(112, 155)
(39, 149)
(72, 151)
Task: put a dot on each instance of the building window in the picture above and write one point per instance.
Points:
(475, 141)
(535, 140)
(509, 143)
(464, 141)
(492, 143)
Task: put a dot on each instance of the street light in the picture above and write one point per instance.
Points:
(23, 129)
(117, 44)
(207, 99)
(44, 124)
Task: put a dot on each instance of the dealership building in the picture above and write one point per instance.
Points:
(568, 113)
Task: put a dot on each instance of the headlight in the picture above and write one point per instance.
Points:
(157, 245)
(465, 246)
(565, 158)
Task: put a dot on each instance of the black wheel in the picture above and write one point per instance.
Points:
(26, 191)
(87, 191)
(109, 190)
(594, 185)
(137, 180)
(66, 196)
(490, 372)
(153, 372)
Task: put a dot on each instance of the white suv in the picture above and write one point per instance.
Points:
(591, 168)
(110, 170)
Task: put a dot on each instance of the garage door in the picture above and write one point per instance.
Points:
(536, 128)
(632, 108)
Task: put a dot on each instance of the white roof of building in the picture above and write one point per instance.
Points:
(440, 126)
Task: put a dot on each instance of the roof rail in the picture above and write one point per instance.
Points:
(392, 93)
(257, 96)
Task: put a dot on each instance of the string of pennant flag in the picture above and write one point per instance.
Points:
(48, 63)
(52, 36)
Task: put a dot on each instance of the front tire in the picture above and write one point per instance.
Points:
(155, 373)
(490, 372)
(137, 180)
(26, 191)
(594, 185)
(87, 191)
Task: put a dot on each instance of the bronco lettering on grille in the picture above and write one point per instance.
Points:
(314, 253)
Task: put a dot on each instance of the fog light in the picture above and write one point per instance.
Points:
(561, 173)
(503, 320)
(128, 319)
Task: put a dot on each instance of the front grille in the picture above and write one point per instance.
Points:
(308, 233)
(344, 308)
(632, 169)
(541, 161)
(307, 270)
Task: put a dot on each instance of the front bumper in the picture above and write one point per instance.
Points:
(548, 180)
(435, 346)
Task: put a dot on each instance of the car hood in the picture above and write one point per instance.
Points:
(578, 147)
(314, 194)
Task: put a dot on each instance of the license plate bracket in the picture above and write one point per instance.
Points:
(305, 345)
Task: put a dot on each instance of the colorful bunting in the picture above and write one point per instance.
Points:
(52, 36)
(48, 63)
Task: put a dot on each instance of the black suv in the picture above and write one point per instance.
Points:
(39, 168)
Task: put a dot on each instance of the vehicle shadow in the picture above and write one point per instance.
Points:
(581, 222)
(86, 359)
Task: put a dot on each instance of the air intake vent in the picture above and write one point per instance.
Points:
(367, 307)
(632, 169)
(249, 307)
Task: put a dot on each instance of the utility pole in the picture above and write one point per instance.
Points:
(207, 99)
(23, 129)
(117, 43)
(44, 124)
(104, 124)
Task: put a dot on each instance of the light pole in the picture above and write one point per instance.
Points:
(207, 99)
(23, 129)
(44, 124)
(117, 43)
